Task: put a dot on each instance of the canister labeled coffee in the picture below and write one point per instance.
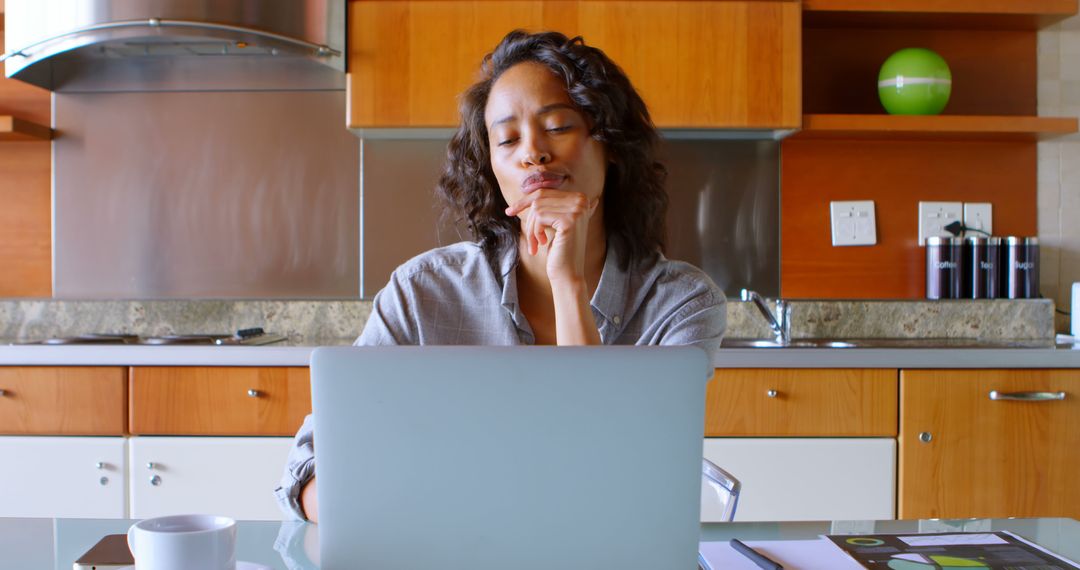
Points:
(944, 258)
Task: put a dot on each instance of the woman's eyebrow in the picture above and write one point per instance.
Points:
(542, 111)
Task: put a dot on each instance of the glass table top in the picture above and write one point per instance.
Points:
(29, 544)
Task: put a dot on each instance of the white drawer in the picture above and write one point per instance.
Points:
(59, 477)
(231, 476)
(787, 479)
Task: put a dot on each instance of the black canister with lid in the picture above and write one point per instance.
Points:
(1021, 267)
(943, 267)
(991, 268)
(974, 277)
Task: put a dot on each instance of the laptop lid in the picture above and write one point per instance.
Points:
(509, 457)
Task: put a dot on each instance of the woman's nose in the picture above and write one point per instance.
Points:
(535, 152)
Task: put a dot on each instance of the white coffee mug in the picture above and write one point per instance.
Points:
(183, 542)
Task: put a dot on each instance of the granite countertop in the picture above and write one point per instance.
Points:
(921, 334)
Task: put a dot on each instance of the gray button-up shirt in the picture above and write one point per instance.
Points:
(453, 295)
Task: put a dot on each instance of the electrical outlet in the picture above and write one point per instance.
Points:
(979, 216)
(934, 216)
(853, 223)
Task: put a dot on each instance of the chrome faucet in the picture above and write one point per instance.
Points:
(779, 323)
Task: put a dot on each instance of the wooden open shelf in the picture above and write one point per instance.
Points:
(957, 14)
(15, 129)
(935, 127)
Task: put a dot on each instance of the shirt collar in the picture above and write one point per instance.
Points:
(609, 300)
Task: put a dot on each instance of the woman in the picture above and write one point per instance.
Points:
(554, 171)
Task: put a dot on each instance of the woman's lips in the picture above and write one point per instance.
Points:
(542, 180)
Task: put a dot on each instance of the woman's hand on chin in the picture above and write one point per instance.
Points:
(558, 219)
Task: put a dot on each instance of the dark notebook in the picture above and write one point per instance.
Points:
(959, 550)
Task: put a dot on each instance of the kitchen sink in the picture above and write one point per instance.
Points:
(922, 343)
(795, 343)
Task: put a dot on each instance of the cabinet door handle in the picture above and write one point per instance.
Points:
(254, 393)
(3, 392)
(1027, 396)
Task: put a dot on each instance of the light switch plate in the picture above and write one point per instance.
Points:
(853, 223)
(934, 216)
(979, 216)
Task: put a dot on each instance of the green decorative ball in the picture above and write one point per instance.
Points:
(914, 81)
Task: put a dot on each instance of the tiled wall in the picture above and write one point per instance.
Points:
(1059, 164)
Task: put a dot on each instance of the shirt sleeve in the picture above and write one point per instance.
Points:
(299, 469)
(700, 322)
(389, 324)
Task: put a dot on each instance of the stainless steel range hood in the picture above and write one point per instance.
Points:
(176, 45)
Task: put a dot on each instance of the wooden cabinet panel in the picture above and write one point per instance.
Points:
(819, 402)
(988, 458)
(175, 400)
(231, 476)
(59, 477)
(696, 63)
(63, 400)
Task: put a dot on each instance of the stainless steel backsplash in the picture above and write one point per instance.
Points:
(205, 194)
(258, 195)
(724, 213)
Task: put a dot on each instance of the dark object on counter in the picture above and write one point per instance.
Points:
(1021, 267)
(944, 258)
(974, 277)
(991, 268)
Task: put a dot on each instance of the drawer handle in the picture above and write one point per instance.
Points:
(253, 393)
(772, 393)
(3, 392)
(1027, 396)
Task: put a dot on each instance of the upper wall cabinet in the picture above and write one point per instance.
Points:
(697, 64)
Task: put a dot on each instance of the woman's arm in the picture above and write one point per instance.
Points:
(574, 321)
(309, 501)
(567, 215)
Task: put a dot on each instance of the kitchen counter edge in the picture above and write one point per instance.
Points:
(910, 358)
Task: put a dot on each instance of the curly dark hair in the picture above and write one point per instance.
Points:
(635, 203)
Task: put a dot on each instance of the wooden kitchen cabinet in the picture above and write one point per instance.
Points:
(986, 458)
(230, 476)
(77, 477)
(807, 444)
(63, 400)
(697, 64)
(205, 400)
(801, 402)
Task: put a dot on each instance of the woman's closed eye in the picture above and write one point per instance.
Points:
(507, 142)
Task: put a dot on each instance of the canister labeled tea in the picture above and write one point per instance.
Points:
(974, 277)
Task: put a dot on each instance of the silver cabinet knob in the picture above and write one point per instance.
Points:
(3, 392)
(103, 481)
(100, 465)
(925, 437)
(253, 393)
(772, 393)
(155, 480)
(150, 465)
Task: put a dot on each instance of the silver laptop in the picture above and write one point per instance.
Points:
(509, 457)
